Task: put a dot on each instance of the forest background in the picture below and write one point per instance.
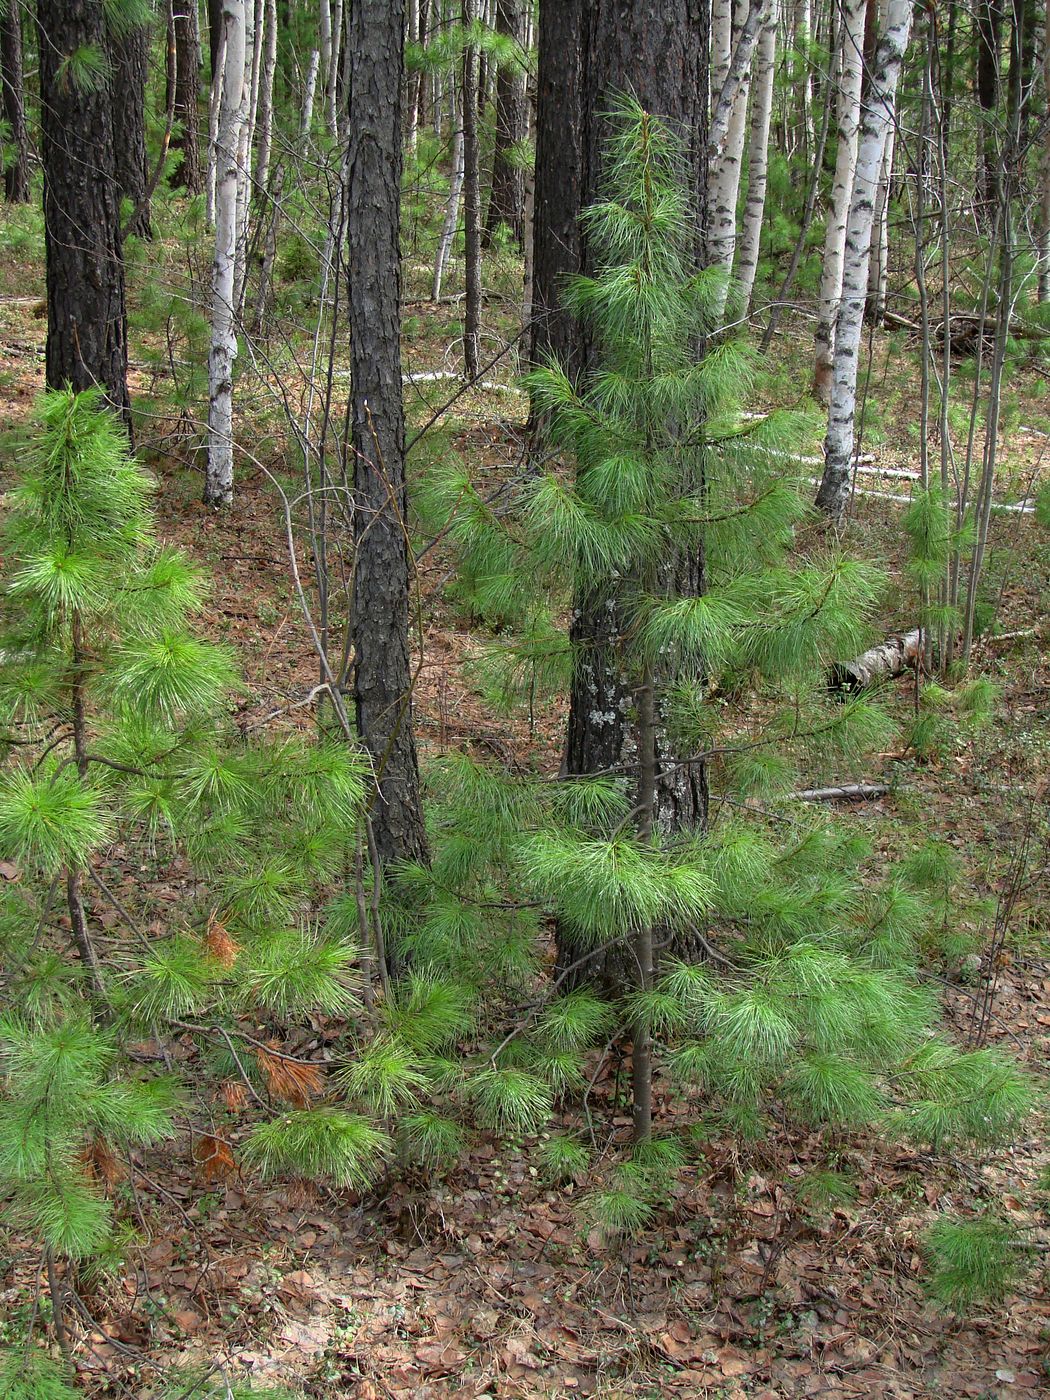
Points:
(523, 818)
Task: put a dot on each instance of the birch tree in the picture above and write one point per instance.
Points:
(758, 154)
(850, 67)
(876, 119)
(726, 139)
(218, 479)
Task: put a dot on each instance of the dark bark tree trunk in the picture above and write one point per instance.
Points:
(185, 35)
(214, 34)
(507, 199)
(16, 175)
(382, 685)
(988, 22)
(129, 65)
(87, 340)
(590, 50)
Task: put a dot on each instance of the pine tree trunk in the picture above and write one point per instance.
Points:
(876, 119)
(128, 55)
(507, 200)
(660, 52)
(471, 207)
(16, 173)
(758, 155)
(232, 78)
(87, 338)
(848, 119)
(186, 38)
(382, 684)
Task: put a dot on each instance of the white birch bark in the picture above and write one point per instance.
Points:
(879, 262)
(264, 144)
(306, 121)
(850, 67)
(253, 18)
(332, 87)
(218, 479)
(758, 155)
(803, 28)
(876, 120)
(412, 123)
(721, 46)
(455, 191)
(727, 159)
(214, 103)
(324, 43)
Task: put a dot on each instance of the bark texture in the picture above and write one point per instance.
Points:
(16, 174)
(185, 34)
(507, 199)
(850, 66)
(129, 64)
(382, 684)
(876, 119)
(590, 51)
(758, 155)
(218, 477)
(87, 340)
(879, 663)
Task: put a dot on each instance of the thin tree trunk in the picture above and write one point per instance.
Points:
(876, 119)
(850, 66)
(332, 86)
(758, 155)
(1043, 243)
(16, 172)
(306, 121)
(185, 35)
(254, 17)
(726, 156)
(471, 207)
(455, 191)
(802, 34)
(87, 339)
(507, 200)
(264, 143)
(879, 260)
(218, 481)
(415, 35)
(988, 23)
(379, 626)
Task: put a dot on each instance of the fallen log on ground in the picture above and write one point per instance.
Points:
(890, 658)
(848, 792)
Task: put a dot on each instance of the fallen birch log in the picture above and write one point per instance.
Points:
(888, 659)
(848, 792)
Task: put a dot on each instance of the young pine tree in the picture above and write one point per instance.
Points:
(765, 960)
(169, 878)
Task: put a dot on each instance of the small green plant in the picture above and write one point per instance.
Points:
(971, 1261)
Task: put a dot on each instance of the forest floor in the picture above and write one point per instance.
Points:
(481, 1284)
